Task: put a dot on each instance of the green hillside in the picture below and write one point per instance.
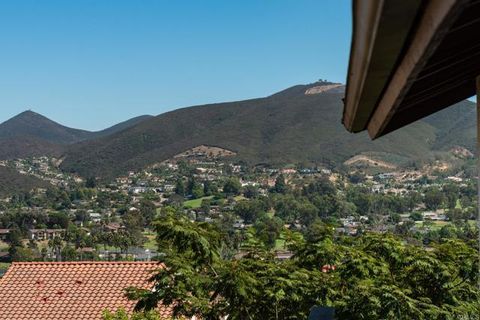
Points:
(13, 182)
(31, 134)
(287, 127)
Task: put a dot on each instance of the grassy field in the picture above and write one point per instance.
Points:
(151, 243)
(3, 268)
(195, 203)
(3, 246)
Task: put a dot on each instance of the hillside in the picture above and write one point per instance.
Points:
(31, 134)
(288, 127)
(119, 126)
(32, 124)
(13, 182)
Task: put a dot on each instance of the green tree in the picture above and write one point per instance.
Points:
(148, 211)
(232, 186)
(280, 184)
(180, 188)
(377, 276)
(433, 198)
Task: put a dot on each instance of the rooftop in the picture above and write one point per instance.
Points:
(71, 290)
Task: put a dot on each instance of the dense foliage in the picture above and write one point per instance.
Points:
(375, 276)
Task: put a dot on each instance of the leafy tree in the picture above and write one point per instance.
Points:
(250, 191)
(413, 198)
(249, 210)
(123, 315)
(209, 188)
(58, 220)
(194, 188)
(180, 188)
(232, 186)
(21, 253)
(318, 231)
(205, 206)
(134, 222)
(321, 186)
(451, 192)
(280, 184)
(148, 211)
(416, 216)
(268, 230)
(56, 244)
(433, 198)
(91, 182)
(373, 277)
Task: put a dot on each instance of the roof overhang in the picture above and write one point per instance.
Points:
(409, 59)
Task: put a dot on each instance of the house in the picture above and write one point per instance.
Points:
(113, 227)
(95, 216)
(4, 234)
(72, 290)
(45, 234)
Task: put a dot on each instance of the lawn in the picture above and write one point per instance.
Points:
(3, 268)
(436, 225)
(195, 203)
(3, 246)
(151, 243)
(280, 244)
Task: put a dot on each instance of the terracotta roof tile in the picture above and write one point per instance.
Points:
(71, 290)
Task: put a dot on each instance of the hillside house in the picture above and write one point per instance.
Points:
(95, 217)
(45, 234)
(4, 234)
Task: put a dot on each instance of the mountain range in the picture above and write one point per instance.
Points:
(301, 124)
(31, 134)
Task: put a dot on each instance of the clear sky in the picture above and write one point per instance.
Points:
(90, 64)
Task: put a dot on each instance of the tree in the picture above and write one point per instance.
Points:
(416, 216)
(91, 182)
(134, 222)
(148, 211)
(451, 193)
(318, 231)
(280, 184)
(21, 253)
(205, 206)
(433, 198)
(209, 188)
(58, 220)
(56, 244)
(232, 186)
(413, 198)
(121, 314)
(268, 230)
(374, 277)
(249, 210)
(194, 188)
(250, 192)
(180, 188)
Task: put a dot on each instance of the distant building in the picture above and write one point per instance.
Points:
(45, 234)
(4, 234)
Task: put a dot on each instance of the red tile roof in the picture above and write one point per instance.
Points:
(71, 290)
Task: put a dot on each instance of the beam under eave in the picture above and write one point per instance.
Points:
(380, 31)
(438, 16)
(478, 171)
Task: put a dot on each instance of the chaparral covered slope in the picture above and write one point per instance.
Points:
(300, 124)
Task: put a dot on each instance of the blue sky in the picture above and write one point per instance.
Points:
(90, 64)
